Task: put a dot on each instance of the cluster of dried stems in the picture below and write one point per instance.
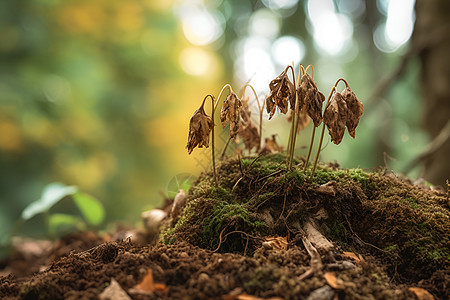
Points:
(301, 97)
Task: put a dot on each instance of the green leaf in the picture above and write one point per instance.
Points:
(61, 223)
(91, 209)
(52, 194)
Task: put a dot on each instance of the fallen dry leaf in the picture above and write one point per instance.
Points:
(278, 242)
(271, 146)
(282, 92)
(311, 99)
(333, 281)
(231, 112)
(147, 284)
(200, 127)
(354, 110)
(335, 118)
(355, 257)
(421, 294)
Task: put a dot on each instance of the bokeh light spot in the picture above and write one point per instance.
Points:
(288, 49)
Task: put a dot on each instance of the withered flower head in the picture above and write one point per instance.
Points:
(311, 98)
(231, 112)
(250, 136)
(335, 117)
(200, 127)
(354, 110)
(282, 92)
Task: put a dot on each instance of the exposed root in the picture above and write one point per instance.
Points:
(316, 261)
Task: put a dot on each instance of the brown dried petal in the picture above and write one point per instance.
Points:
(250, 136)
(282, 92)
(335, 118)
(231, 112)
(200, 127)
(355, 110)
(311, 98)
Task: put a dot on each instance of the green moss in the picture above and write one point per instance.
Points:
(228, 215)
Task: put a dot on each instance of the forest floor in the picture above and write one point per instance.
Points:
(258, 234)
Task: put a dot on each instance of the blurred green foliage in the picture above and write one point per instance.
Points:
(98, 93)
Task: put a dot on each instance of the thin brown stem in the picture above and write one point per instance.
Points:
(220, 94)
(212, 135)
(314, 128)
(322, 133)
(295, 120)
(225, 148)
(310, 148)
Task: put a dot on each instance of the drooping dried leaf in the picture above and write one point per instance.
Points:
(200, 127)
(303, 119)
(250, 135)
(278, 242)
(231, 112)
(421, 294)
(245, 112)
(333, 281)
(282, 92)
(311, 98)
(271, 146)
(355, 110)
(335, 118)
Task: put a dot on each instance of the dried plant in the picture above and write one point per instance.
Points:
(231, 112)
(311, 98)
(355, 110)
(335, 117)
(250, 136)
(338, 115)
(282, 92)
(200, 127)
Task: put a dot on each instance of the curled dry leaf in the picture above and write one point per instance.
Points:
(355, 257)
(282, 92)
(311, 98)
(278, 242)
(231, 112)
(354, 110)
(335, 117)
(421, 294)
(333, 281)
(148, 285)
(200, 127)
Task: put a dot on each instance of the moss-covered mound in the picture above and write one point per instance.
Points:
(404, 226)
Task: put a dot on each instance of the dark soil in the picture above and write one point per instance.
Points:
(215, 249)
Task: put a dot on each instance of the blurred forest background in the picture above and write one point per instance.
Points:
(98, 93)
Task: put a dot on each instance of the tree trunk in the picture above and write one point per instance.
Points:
(431, 34)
